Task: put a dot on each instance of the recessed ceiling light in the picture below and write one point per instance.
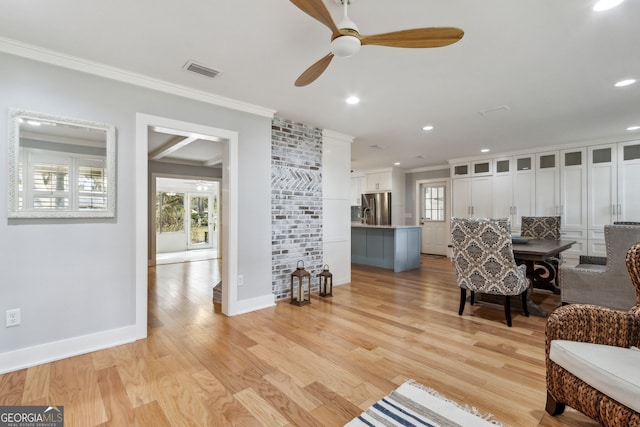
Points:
(427, 127)
(633, 128)
(606, 4)
(485, 150)
(353, 100)
(396, 164)
(626, 82)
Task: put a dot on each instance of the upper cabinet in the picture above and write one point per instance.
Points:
(514, 188)
(614, 172)
(379, 182)
(573, 188)
(472, 189)
(628, 179)
(547, 174)
(474, 168)
(358, 186)
(561, 186)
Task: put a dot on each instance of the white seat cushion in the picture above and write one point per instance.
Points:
(614, 371)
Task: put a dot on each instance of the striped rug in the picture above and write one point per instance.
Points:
(413, 404)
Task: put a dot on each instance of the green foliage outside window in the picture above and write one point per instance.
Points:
(169, 212)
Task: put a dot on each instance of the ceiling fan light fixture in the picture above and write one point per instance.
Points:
(345, 46)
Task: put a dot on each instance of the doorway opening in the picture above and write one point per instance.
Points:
(184, 133)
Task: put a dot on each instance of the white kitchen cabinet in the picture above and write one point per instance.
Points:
(547, 174)
(561, 190)
(472, 197)
(514, 188)
(358, 186)
(474, 168)
(613, 178)
(382, 180)
(379, 181)
(573, 189)
(614, 175)
(602, 185)
(588, 187)
(628, 181)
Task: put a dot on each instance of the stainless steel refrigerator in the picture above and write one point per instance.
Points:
(376, 208)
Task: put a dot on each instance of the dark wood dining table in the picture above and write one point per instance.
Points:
(535, 250)
(538, 250)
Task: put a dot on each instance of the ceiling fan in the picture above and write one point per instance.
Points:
(346, 40)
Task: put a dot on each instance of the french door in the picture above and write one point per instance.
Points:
(200, 221)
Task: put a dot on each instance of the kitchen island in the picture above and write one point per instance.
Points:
(386, 246)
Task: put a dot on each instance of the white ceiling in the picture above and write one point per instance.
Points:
(542, 71)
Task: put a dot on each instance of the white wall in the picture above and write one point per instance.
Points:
(74, 280)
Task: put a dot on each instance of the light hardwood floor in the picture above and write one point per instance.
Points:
(317, 365)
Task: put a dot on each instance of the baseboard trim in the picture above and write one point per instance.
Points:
(253, 304)
(31, 356)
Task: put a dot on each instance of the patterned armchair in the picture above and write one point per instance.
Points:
(592, 360)
(546, 228)
(541, 227)
(484, 261)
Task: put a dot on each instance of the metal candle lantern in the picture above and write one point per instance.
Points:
(326, 282)
(299, 297)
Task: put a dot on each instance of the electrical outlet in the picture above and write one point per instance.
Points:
(13, 317)
(240, 280)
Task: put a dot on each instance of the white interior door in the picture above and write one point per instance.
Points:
(434, 217)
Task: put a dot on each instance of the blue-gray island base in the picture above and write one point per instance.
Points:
(393, 247)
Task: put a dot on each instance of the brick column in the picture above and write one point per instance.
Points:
(296, 202)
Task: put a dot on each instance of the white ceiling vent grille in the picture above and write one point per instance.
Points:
(201, 69)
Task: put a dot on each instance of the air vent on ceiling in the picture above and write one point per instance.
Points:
(201, 69)
(494, 110)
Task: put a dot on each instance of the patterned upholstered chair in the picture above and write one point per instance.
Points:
(483, 256)
(546, 228)
(592, 359)
(541, 227)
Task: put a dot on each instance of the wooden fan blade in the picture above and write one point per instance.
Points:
(313, 72)
(316, 9)
(417, 38)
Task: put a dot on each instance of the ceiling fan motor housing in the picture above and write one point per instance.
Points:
(345, 46)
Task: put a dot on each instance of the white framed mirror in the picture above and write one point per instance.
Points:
(60, 167)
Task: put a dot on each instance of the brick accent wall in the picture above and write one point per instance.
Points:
(296, 203)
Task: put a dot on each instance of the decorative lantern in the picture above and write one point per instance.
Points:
(326, 282)
(299, 297)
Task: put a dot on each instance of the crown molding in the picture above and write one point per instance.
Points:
(327, 133)
(52, 57)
